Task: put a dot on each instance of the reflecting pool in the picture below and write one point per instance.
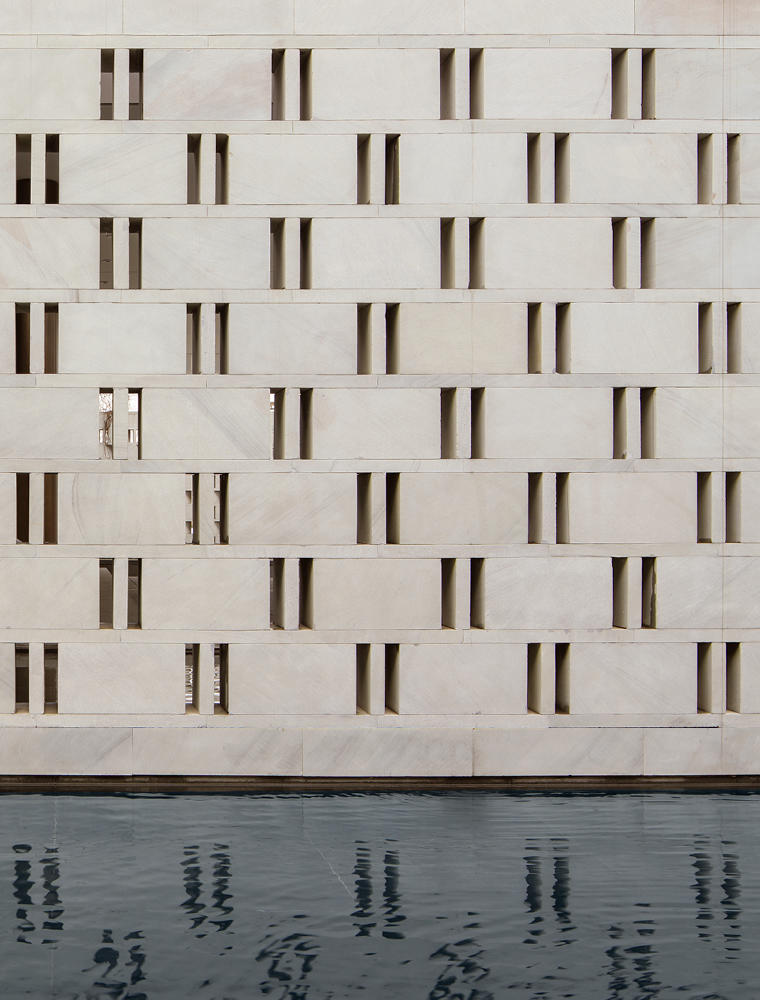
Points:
(391, 895)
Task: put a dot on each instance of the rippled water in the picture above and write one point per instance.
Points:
(452, 895)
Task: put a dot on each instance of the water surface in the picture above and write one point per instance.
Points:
(475, 896)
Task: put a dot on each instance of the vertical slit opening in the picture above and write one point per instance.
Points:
(305, 85)
(447, 253)
(448, 593)
(534, 338)
(23, 338)
(733, 677)
(648, 275)
(134, 593)
(534, 168)
(192, 512)
(561, 167)
(134, 423)
(647, 410)
(221, 170)
(734, 337)
(619, 253)
(392, 508)
(222, 482)
(363, 339)
(704, 169)
(619, 83)
(733, 507)
(221, 338)
(221, 678)
(477, 593)
(733, 170)
(619, 424)
(704, 338)
(563, 513)
(619, 592)
(391, 678)
(278, 85)
(50, 509)
(105, 422)
(704, 677)
(22, 508)
(276, 253)
(106, 593)
(135, 84)
(447, 83)
(277, 409)
(192, 658)
(477, 423)
(135, 253)
(648, 592)
(305, 254)
(305, 598)
(304, 423)
(391, 339)
(704, 507)
(391, 169)
(363, 169)
(562, 338)
(277, 593)
(50, 677)
(648, 84)
(535, 506)
(106, 253)
(477, 63)
(23, 169)
(363, 508)
(561, 678)
(193, 334)
(21, 676)
(51, 338)
(362, 678)
(477, 253)
(106, 85)
(534, 676)
(52, 166)
(448, 423)
(193, 169)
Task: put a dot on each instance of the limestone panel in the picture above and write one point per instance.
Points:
(456, 679)
(749, 678)
(49, 423)
(548, 253)
(627, 677)
(688, 83)
(292, 169)
(548, 423)
(461, 337)
(394, 17)
(376, 593)
(741, 267)
(688, 422)
(7, 677)
(375, 253)
(627, 168)
(49, 253)
(742, 84)
(217, 750)
(482, 167)
(749, 184)
(544, 592)
(292, 338)
(686, 253)
(49, 593)
(387, 752)
(205, 253)
(205, 424)
(145, 17)
(741, 592)
(385, 83)
(7, 508)
(125, 338)
(204, 84)
(121, 509)
(289, 679)
(205, 593)
(549, 16)
(608, 751)
(750, 507)
(50, 83)
(376, 423)
(688, 592)
(547, 83)
(123, 169)
(670, 17)
(486, 508)
(121, 678)
(317, 508)
(742, 421)
(634, 507)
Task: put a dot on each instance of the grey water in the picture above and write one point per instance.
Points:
(467, 895)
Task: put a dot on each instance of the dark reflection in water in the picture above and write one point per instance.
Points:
(439, 896)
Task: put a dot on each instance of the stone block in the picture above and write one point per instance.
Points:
(121, 678)
(486, 508)
(376, 593)
(462, 679)
(625, 678)
(290, 679)
(205, 593)
(548, 592)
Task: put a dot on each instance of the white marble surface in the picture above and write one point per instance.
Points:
(385, 83)
(688, 422)
(386, 752)
(655, 169)
(217, 750)
(624, 678)
(461, 679)
(548, 593)
(7, 508)
(449, 168)
(375, 253)
(121, 678)
(292, 169)
(48, 423)
(317, 508)
(148, 17)
(123, 169)
(546, 422)
(688, 83)
(549, 16)
(558, 752)
(44, 83)
(687, 253)
(547, 83)
(119, 337)
(490, 508)
(205, 253)
(206, 84)
(689, 592)
(49, 253)
(377, 593)
(548, 252)
(289, 679)
(633, 507)
(62, 593)
(393, 17)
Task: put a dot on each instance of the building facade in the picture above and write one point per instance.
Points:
(380, 387)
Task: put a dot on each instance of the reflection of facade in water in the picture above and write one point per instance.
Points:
(219, 910)
(50, 905)
(391, 910)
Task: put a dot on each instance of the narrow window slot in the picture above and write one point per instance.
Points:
(134, 423)
(363, 339)
(23, 169)
(363, 169)
(277, 409)
(106, 85)
(561, 678)
(619, 83)
(391, 169)
(193, 169)
(733, 507)
(278, 85)
(276, 253)
(52, 166)
(221, 678)
(221, 170)
(734, 337)
(391, 678)
(135, 253)
(362, 678)
(50, 677)
(448, 593)
(193, 350)
(21, 665)
(647, 411)
(363, 508)
(647, 83)
(477, 593)
(535, 506)
(648, 592)
(477, 88)
(134, 593)
(106, 593)
(106, 253)
(23, 338)
(648, 275)
(305, 254)
(561, 167)
(191, 509)
(392, 508)
(22, 508)
(477, 253)
(105, 422)
(704, 169)
(276, 593)
(192, 657)
(563, 512)
(477, 422)
(305, 598)
(704, 338)
(221, 339)
(733, 677)
(619, 592)
(51, 338)
(447, 253)
(733, 170)
(534, 338)
(562, 338)
(448, 423)
(619, 424)
(534, 168)
(305, 85)
(619, 253)
(391, 339)
(135, 84)
(704, 507)
(447, 84)
(50, 509)
(534, 676)
(221, 508)
(304, 423)
(704, 677)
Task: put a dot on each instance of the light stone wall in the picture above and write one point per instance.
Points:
(379, 388)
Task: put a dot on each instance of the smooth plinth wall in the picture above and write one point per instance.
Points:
(380, 387)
